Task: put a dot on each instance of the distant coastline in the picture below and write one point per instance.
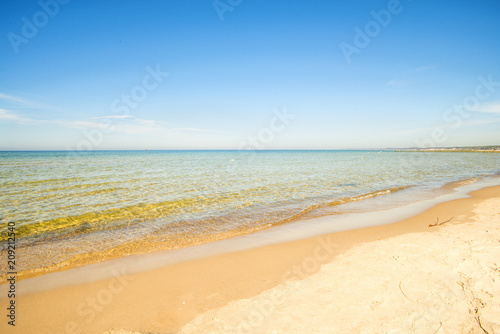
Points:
(491, 148)
(486, 149)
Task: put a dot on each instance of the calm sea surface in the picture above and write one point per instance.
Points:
(81, 207)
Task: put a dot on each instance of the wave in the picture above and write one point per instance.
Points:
(460, 183)
(368, 195)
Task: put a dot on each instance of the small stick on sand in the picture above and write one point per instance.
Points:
(440, 325)
(478, 319)
(437, 223)
(404, 294)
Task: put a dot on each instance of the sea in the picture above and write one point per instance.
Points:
(74, 208)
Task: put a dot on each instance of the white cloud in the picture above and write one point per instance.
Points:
(21, 103)
(12, 98)
(128, 125)
(76, 124)
(150, 122)
(11, 116)
(480, 122)
(492, 108)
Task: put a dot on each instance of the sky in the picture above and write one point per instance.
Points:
(241, 74)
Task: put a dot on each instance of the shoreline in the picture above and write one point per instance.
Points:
(142, 247)
(353, 211)
(168, 298)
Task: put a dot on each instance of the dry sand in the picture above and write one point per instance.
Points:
(403, 277)
(447, 281)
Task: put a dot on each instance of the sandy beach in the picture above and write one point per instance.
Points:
(397, 278)
(249, 167)
(444, 281)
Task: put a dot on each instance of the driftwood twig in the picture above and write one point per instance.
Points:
(437, 223)
(404, 294)
(478, 319)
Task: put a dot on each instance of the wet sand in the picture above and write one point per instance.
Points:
(218, 293)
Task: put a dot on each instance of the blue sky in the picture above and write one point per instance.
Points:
(349, 74)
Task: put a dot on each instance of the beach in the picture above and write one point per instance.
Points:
(249, 167)
(401, 277)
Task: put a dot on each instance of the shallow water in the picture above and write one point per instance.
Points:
(80, 207)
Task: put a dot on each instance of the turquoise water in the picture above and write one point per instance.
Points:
(68, 204)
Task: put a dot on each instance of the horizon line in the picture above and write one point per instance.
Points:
(255, 150)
